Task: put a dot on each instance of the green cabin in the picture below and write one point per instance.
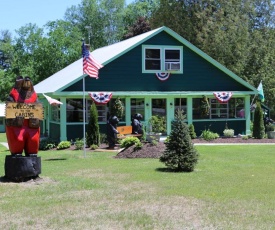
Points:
(154, 73)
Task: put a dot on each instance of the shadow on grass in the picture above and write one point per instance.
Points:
(4, 179)
(55, 159)
(168, 170)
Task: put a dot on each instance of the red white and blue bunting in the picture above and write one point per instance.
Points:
(163, 76)
(223, 97)
(101, 98)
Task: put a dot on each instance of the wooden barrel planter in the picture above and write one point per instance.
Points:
(20, 168)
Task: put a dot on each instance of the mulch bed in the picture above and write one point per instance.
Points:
(155, 151)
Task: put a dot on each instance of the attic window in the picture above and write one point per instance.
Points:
(162, 59)
(152, 59)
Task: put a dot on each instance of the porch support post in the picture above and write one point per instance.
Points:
(63, 120)
(127, 111)
(247, 115)
(147, 112)
(170, 113)
(189, 110)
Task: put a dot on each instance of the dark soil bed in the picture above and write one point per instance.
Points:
(155, 151)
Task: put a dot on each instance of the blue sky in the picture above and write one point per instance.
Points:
(17, 13)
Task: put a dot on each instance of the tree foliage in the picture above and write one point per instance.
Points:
(258, 124)
(180, 154)
(141, 26)
(93, 134)
(239, 35)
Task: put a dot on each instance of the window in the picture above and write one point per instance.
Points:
(216, 110)
(55, 113)
(137, 106)
(112, 101)
(102, 113)
(180, 103)
(75, 110)
(172, 59)
(1, 120)
(152, 59)
(164, 59)
(236, 108)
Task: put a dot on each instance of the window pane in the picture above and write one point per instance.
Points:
(172, 60)
(102, 113)
(236, 108)
(200, 108)
(137, 106)
(75, 110)
(173, 55)
(152, 65)
(218, 110)
(121, 119)
(152, 53)
(152, 59)
(159, 110)
(55, 113)
(181, 103)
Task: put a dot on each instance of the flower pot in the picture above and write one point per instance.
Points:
(271, 134)
(151, 137)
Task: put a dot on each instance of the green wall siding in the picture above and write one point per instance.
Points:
(125, 74)
(55, 131)
(219, 126)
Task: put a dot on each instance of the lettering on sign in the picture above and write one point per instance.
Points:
(30, 110)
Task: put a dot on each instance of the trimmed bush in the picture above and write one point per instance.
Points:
(46, 144)
(192, 131)
(209, 135)
(63, 145)
(180, 154)
(129, 141)
(228, 132)
(79, 144)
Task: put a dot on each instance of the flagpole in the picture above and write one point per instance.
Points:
(84, 120)
(253, 99)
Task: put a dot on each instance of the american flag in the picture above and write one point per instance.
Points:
(90, 65)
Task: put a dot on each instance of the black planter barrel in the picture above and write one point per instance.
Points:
(21, 167)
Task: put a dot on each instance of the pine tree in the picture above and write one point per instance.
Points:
(180, 154)
(258, 124)
(93, 135)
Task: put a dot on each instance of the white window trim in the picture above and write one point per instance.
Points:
(162, 58)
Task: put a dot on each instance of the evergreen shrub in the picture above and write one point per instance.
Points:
(258, 124)
(180, 154)
(192, 131)
(93, 134)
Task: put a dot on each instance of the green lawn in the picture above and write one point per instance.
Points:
(231, 188)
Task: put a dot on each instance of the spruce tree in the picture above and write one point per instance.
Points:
(258, 124)
(180, 154)
(93, 135)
